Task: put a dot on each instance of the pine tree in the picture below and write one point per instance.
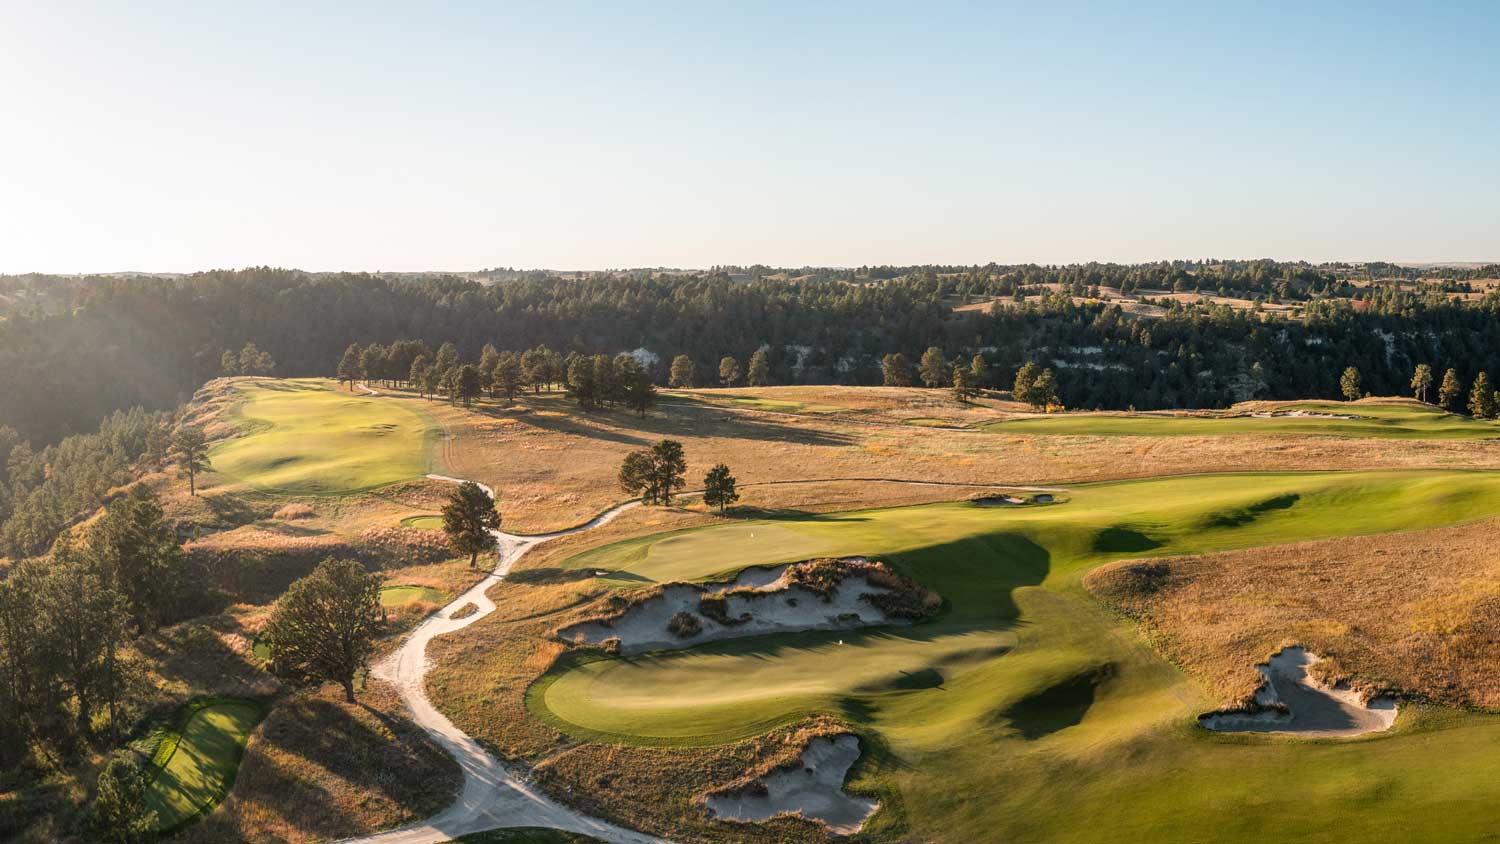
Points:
(418, 374)
(895, 370)
(139, 551)
(468, 384)
(963, 384)
(118, 814)
(470, 520)
(348, 371)
(980, 369)
(934, 368)
(684, 373)
(1421, 382)
(1025, 378)
(729, 371)
(760, 369)
(190, 448)
(719, 488)
(229, 363)
(1349, 384)
(1482, 398)
(1450, 390)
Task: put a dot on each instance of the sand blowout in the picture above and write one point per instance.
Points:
(1292, 701)
(812, 788)
(830, 594)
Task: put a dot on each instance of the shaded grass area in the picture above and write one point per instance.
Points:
(197, 762)
(302, 437)
(318, 769)
(1026, 706)
(1406, 420)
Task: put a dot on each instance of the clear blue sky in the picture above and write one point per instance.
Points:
(173, 137)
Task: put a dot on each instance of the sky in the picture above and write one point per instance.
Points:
(455, 136)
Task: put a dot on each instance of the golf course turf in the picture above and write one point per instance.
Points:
(303, 437)
(400, 596)
(1394, 420)
(197, 761)
(1027, 711)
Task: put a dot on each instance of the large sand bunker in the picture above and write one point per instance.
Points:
(814, 789)
(817, 595)
(1291, 701)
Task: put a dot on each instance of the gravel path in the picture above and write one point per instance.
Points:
(492, 796)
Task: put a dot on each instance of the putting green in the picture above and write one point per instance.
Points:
(400, 596)
(303, 437)
(1026, 707)
(429, 522)
(198, 761)
(1383, 421)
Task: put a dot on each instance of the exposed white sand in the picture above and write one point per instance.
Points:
(759, 601)
(1299, 414)
(1291, 701)
(814, 790)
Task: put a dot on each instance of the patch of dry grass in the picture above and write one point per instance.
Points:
(553, 466)
(1416, 613)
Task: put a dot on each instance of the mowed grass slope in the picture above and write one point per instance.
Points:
(1027, 711)
(1394, 420)
(200, 760)
(303, 437)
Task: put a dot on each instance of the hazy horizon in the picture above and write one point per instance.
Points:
(165, 140)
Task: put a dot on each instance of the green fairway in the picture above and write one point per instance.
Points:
(1025, 706)
(400, 596)
(430, 522)
(305, 438)
(1386, 421)
(198, 761)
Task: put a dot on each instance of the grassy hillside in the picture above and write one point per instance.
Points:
(303, 437)
(1404, 420)
(1026, 706)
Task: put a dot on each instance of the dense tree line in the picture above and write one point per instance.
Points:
(42, 491)
(119, 342)
(64, 622)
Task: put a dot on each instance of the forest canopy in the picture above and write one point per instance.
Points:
(74, 349)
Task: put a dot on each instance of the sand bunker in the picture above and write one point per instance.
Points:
(1290, 701)
(1299, 414)
(813, 789)
(759, 601)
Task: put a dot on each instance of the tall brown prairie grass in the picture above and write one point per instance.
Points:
(1415, 613)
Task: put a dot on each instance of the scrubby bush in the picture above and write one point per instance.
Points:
(684, 625)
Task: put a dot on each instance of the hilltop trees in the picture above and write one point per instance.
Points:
(895, 370)
(323, 627)
(760, 369)
(1349, 384)
(190, 448)
(729, 371)
(1421, 382)
(1450, 390)
(719, 488)
(934, 368)
(654, 473)
(470, 521)
(684, 373)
